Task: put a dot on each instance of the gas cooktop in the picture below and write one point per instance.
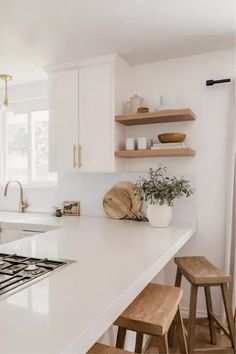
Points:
(18, 270)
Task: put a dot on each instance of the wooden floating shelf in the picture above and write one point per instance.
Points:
(155, 153)
(164, 116)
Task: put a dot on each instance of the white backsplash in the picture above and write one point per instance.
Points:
(89, 189)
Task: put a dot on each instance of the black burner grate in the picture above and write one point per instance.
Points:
(17, 270)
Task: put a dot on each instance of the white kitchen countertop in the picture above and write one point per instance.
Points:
(69, 310)
(36, 221)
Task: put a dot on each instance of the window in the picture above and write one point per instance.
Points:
(25, 148)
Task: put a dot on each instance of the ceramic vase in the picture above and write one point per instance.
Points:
(159, 215)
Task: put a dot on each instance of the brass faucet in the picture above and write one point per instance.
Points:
(22, 204)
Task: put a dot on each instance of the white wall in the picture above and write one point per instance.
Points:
(208, 135)
(21, 97)
(89, 188)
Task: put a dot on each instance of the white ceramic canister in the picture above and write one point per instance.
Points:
(142, 143)
(130, 144)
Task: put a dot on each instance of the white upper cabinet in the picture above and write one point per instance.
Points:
(64, 134)
(95, 118)
(84, 98)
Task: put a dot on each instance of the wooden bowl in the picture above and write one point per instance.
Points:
(143, 109)
(172, 137)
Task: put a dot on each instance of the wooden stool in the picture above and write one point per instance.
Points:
(200, 272)
(152, 313)
(105, 349)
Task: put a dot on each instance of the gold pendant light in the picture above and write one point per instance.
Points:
(5, 104)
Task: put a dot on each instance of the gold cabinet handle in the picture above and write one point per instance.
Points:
(79, 162)
(77, 156)
(74, 153)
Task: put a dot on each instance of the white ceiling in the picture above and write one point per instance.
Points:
(37, 33)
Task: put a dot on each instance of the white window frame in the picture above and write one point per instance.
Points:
(3, 155)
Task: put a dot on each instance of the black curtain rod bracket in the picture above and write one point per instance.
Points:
(213, 82)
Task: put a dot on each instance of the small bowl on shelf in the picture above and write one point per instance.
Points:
(172, 137)
(143, 110)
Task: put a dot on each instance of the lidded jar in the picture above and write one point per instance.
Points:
(136, 102)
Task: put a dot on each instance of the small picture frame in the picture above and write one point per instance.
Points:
(71, 208)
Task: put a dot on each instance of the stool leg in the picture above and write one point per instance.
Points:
(180, 332)
(178, 279)
(192, 318)
(120, 340)
(229, 312)
(164, 348)
(209, 306)
(139, 342)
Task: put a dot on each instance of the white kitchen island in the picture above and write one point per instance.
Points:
(69, 310)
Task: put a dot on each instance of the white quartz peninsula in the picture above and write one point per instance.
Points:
(69, 310)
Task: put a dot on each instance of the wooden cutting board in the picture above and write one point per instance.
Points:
(117, 203)
(135, 200)
(120, 202)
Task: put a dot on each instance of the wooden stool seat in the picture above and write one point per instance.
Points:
(201, 273)
(198, 270)
(152, 313)
(105, 349)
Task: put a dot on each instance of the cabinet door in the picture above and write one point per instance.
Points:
(95, 118)
(8, 235)
(29, 233)
(64, 120)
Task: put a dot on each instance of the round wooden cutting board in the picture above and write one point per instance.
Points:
(135, 200)
(117, 203)
(120, 202)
